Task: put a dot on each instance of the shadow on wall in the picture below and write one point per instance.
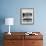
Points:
(2, 21)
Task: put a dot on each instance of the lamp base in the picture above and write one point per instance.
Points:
(9, 33)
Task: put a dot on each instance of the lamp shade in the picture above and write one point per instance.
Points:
(9, 21)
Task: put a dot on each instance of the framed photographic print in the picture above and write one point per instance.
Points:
(27, 15)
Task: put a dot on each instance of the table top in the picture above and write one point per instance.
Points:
(22, 35)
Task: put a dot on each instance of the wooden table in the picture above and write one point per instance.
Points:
(20, 39)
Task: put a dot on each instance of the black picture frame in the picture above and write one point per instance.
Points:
(27, 16)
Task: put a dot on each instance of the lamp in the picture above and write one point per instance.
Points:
(9, 21)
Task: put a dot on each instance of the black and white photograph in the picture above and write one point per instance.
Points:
(27, 15)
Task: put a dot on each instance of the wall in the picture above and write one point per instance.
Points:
(11, 8)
